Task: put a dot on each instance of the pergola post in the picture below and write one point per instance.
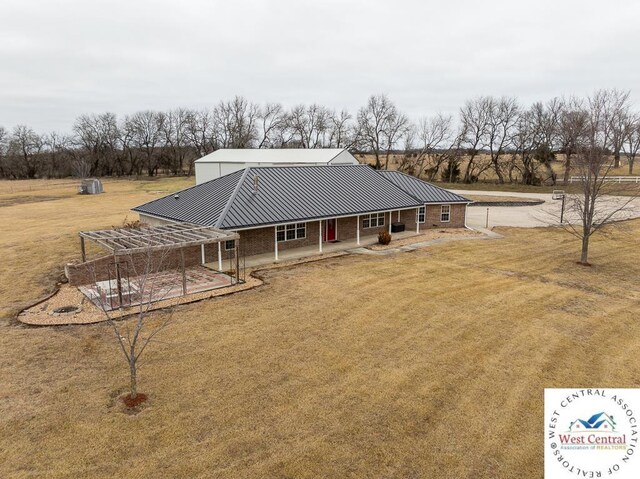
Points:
(320, 236)
(219, 256)
(202, 253)
(82, 250)
(275, 238)
(184, 274)
(116, 265)
(236, 245)
(358, 230)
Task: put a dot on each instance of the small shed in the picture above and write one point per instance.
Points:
(90, 186)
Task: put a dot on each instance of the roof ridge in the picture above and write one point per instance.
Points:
(424, 181)
(232, 197)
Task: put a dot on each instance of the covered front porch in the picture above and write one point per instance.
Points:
(314, 250)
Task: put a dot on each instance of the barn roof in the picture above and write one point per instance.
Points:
(425, 192)
(271, 195)
(274, 156)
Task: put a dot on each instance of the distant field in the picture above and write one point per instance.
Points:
(40, 223)
(424, 364)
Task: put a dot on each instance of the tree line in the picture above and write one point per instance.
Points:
(515, 143)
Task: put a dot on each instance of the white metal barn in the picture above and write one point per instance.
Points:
(223, 162)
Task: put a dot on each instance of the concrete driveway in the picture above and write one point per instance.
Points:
(546, 214)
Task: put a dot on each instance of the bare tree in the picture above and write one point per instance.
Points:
(133, 336)
(617, 106)
(234, 123)
(572, 122)
(4, 139)
(174, 129)
(144, 133)
(502, 115)
(99, 137)
(631, 146)
(474, 123)
(272, 120)
(24, 152)
(593, 207)
(341, 130)
(380, 127)
(428, 146)
(309, 125)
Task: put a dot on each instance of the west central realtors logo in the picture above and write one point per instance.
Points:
(591, 433)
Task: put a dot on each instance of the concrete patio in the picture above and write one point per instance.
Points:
(158, 286)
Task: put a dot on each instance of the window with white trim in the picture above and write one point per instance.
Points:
(420, 214)
(229, 245)
(374, 220)
(445, 213)
(291, 232)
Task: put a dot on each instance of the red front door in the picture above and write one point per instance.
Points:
(331, 230)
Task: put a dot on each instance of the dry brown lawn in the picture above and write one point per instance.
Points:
(418, 365)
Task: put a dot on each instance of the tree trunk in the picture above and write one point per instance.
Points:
(584, 256)
(631, 165)
(616, 159)
(496, 167)
(567, 168)
(467, 172)
(134, 381)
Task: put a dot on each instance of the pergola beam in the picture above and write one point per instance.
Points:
(126, 241)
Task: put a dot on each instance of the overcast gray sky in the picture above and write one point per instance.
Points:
(59, 59)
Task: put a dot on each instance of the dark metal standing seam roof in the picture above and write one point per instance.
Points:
(425, 192)
(290, 194)
(201, 204)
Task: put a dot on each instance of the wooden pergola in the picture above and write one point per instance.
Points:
(129, 241)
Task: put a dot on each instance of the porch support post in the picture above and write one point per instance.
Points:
(202, 253)
(275, 238)
(320, 236)
(418, 219)
(390, 222)
(358, 230)
(219, 256)
(184, 274)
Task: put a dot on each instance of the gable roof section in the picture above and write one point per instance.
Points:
(425, 192)
(202, 204)
(273, 156)
(297, 193)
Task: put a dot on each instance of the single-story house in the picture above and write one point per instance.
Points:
(225, 161)
(275, 209)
